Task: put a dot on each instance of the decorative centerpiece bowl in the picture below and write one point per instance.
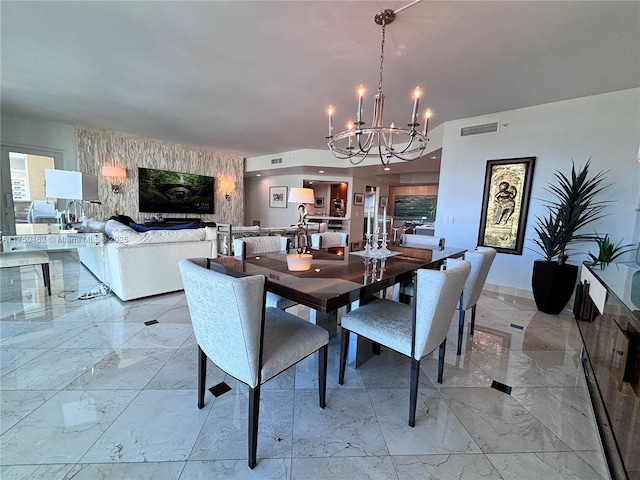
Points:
(298, 262)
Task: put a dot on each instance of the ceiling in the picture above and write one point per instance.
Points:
(256, 77)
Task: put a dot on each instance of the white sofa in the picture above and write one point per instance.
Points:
(140, 264)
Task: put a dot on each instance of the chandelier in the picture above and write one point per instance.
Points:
(357, 141)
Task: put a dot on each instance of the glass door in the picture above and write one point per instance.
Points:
(23, 199)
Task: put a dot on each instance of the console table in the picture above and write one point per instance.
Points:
(611, 359)
(49, 237)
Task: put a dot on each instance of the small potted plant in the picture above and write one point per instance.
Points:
(574, 207)
(608, 251)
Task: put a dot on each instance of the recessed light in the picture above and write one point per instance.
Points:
(386, 169)
(258, 174)
(320, 171)
(434, 157)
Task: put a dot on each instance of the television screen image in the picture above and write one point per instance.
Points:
(163, 191)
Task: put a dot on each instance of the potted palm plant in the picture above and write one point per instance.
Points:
(608, 251)
(573, 207)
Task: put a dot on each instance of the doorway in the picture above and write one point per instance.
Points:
(23, 200)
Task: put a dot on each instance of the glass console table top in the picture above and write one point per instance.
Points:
(623, 280)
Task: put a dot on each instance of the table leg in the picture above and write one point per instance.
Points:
(326, 320)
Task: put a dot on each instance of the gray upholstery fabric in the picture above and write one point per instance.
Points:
(389, 323)
(329, 239)
(257, 245)
(227, 314)
(481, 260)
(247, 246)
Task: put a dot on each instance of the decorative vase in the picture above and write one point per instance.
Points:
(553, 285)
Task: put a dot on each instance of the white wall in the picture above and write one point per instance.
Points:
(604, 128)
(18, 130)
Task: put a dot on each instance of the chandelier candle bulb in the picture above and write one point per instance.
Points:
(330, 111)
(416, 99)
(427, 115)
(368, 221)
(359, 115)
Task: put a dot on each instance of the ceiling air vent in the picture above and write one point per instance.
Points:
(479, 129)
(275, 161)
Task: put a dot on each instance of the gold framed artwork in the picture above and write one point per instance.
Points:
(505, 204)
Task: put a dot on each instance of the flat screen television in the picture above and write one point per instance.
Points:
(163, 191)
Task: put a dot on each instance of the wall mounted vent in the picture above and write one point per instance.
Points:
(275, 161)
(479, 129)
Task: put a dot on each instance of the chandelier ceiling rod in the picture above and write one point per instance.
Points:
(379, 137)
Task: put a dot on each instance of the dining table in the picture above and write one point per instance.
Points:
(337, 278)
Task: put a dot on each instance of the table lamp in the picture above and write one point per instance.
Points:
(69, 185)
(301, 196)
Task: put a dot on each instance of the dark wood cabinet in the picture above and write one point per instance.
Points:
(611, 358)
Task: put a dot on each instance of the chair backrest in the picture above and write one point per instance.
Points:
(422, 241)
(481, 259)
(227, 314)
(436, 294)
(247, 246)
(329, 239)
(322, 227)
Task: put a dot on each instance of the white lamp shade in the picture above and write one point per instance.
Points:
(111, 171)
(301, 195)
(70, 185)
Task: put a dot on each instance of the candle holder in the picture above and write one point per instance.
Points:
(374, 242)
(383, 247)
(367, 243)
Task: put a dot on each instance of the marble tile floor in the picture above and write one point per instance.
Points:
(90, 392)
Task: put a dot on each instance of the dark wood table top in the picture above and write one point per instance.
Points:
(336, 278)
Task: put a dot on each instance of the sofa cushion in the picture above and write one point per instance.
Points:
(131, 237)
(113, 225)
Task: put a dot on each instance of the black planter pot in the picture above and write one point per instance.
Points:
(553, 285)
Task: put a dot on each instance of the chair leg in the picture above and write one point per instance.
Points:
(473, 320)
(441, 350)
(344, 350)
(46, 276)
(202, 376)
(254, 414)
(322, 374)
(460, 329)
(413, 393)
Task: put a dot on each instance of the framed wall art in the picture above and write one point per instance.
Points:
(383, 202)
(319, 202)
(505, 204)
(278, 197)
(358, 198)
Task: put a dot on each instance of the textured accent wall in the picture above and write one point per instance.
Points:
(102, 147)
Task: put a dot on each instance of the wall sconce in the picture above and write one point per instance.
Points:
(115, 176)
(228, 186)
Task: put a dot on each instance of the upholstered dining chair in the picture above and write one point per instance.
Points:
(481, 260)
(245, 339)
(329, 239)
(248, 246)
(412, 330)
